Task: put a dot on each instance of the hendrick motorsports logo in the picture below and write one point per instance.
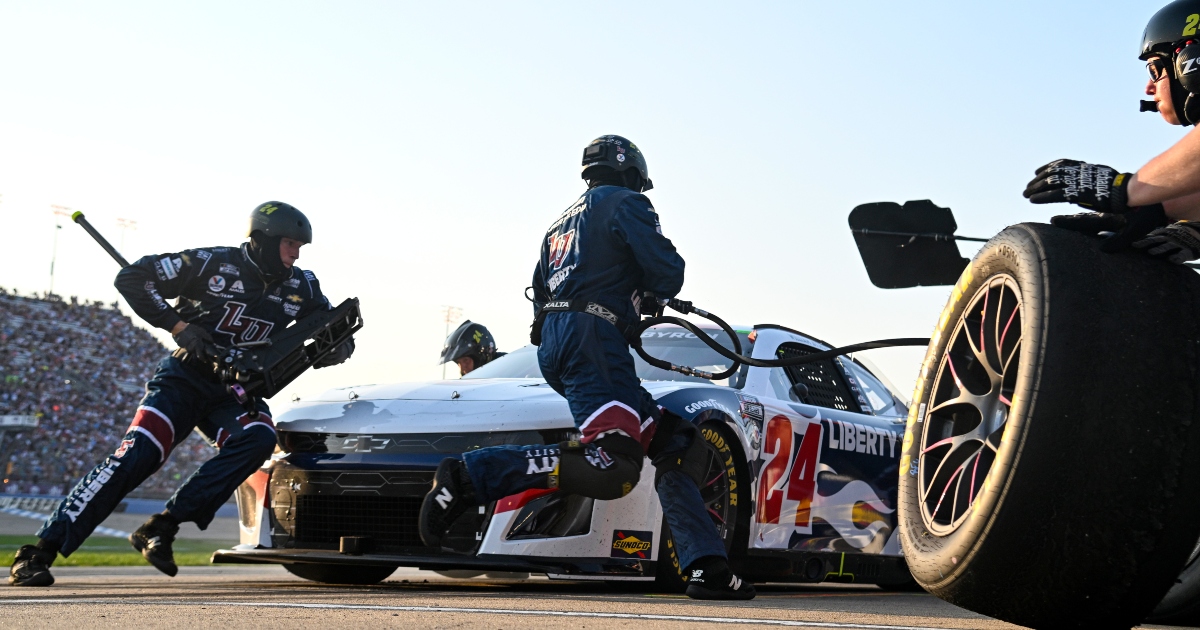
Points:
(628, 543)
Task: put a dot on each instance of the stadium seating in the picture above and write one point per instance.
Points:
(80, 369)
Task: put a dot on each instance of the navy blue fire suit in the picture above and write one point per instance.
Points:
(606, 248)
(222, 290)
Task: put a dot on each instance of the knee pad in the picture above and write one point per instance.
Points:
(692, 460)
(605, 469)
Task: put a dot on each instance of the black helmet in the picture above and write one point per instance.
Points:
(276, 218)
(1169, 27)
(1172, 34)
(618, 154)
(469, 340)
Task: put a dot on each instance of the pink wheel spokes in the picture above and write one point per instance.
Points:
(969, 403)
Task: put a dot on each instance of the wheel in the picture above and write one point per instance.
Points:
(720, 494)
(1052, 452)
(340, 573)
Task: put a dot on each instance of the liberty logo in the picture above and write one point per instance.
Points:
(560, 246)
(243, 329)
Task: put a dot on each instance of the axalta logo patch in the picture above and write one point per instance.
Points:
(628, 543)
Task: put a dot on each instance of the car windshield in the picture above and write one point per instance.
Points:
(669, 343)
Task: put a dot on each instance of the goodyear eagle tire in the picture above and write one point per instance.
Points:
(723, 494)
(1052, 454)
(340, 573)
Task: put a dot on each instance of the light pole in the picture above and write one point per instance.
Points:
(452, 314)
(124, 225)
(59, 211)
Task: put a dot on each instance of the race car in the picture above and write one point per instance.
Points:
(801, 475)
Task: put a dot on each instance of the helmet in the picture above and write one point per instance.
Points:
(275, 218)
(1172, 34)
(618, 154)
(469, 340)
(1172, 24)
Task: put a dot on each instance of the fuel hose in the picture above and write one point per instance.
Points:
(735, 355)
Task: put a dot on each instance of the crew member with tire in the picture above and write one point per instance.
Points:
(597, 260)
(1156, 209)
(226, 296)
(471, 346)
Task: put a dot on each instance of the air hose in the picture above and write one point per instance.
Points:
(735, 355)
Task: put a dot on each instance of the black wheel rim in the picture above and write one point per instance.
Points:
(969, 408)
(715, 492)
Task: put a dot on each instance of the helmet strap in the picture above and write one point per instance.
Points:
(264, 251)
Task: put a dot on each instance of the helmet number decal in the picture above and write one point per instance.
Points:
(1193, 20)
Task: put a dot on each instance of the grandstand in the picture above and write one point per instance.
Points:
(80, 368)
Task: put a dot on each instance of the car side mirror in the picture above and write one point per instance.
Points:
(800, 391)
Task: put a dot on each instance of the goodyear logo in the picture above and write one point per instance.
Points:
(628, 543)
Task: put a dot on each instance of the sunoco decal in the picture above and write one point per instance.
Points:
(631, 544)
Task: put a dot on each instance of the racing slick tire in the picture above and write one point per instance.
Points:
(1051, 458)
(340, 573)
(724, 495)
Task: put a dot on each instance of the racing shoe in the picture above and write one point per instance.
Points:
(154, 540)
(32, 567)
(710, 578)
(451, 495)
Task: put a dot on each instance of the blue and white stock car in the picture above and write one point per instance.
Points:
(801, 480)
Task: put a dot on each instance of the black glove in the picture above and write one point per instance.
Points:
(197, 342)
(1178, 242)
(1126, 228)
(1092, 186)
(339, 354)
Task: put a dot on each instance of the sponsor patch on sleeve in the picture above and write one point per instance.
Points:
(167, 268)
(628, 543)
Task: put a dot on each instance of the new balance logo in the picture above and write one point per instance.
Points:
(444, 498)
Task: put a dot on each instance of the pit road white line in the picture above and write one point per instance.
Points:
(486, 611)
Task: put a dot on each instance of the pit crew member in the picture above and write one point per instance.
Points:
(596, 261)
(1156, 209)
(226, 295)
(471, 346)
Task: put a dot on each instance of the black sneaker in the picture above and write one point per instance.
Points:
(451, 495)
(32, 567)
(712, 579)
(154, 540)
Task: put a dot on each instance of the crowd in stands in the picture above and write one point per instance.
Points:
(79, 368)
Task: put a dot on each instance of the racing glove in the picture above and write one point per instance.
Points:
(1178, 242)
(1125, 228)
(338, 355)
(197, 343)
(1092, 186)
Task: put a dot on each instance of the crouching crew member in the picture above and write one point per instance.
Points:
(471, 346)
(597, 259)
(226, 295)
(1156, 209)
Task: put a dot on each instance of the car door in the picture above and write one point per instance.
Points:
(826, 475)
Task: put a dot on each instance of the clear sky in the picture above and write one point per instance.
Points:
(432, 143)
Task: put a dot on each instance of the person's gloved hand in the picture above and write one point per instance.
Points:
(339, 354)
(1126, 228)
(1178, 242)
(197, 342)
(1092, 186)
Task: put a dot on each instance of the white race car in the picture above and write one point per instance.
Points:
(801, 480)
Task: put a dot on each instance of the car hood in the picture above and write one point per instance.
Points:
(469, 405)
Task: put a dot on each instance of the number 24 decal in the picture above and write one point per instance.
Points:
(1192, 21)
(801, 483)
